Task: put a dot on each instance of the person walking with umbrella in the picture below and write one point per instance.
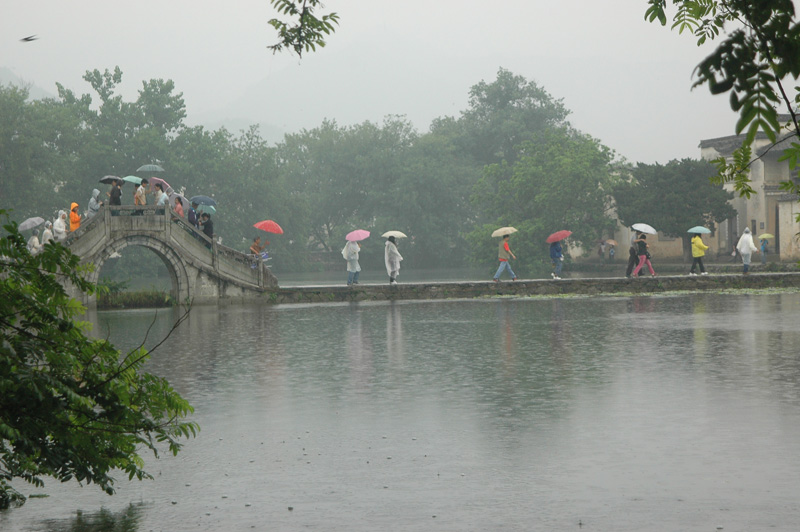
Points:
(698, 252)
(644, 255)
(504, 253)
(392, 257)
(350, 254)
(192, 215)
(115, 194)
(764, 248)
(746, 248)
(557, 258)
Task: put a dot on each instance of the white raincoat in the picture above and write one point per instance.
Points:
(746, 246)
(60, 227)
(350, 254)
(392, 258)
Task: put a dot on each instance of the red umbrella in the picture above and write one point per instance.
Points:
(269, 226)
(355, 236)
(558, 235)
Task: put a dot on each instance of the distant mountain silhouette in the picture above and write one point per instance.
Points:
(7, 77)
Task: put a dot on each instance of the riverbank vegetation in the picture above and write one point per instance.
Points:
(71, 406)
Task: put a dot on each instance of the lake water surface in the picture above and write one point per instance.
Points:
(607, 414)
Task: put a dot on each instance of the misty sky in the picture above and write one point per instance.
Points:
(626, 81)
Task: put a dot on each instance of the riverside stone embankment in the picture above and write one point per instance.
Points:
(535, 287)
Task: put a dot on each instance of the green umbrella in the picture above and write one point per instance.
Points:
(133, 179)
(699, 229)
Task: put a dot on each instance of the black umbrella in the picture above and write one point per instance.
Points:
(107, 180)
(204, 200)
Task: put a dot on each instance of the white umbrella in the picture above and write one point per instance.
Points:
(30, 223)
(504, 231)
(396, 234)
(644, 228)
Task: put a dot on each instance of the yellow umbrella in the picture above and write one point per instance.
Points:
(766, 236)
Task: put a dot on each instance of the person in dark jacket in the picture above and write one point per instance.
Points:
(191, 216)
(557, 258)
(633, 259)
(208, 225)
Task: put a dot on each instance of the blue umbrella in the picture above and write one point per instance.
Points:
(133, 179)
(204, 200)
(699, 229)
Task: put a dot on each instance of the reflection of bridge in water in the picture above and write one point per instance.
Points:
(201, 270)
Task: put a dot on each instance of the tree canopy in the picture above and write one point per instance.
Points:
(675, 197)
(71, 406)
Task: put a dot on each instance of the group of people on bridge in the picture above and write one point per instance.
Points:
(59, 229)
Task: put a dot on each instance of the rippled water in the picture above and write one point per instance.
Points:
(647, 413)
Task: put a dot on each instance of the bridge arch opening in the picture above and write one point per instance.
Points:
(178, 280)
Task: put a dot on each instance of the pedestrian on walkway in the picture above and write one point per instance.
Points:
(698, 252)
(764, 249)
(504, 253)
(644, 255)
(392, 258)
(350, 254)
(557, 258)
(746, 248)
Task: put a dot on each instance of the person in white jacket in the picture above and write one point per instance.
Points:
(60, 227)
(47, 234)
(392, 258)
(746, 248)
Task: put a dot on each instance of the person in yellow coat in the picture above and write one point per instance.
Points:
(698, 252)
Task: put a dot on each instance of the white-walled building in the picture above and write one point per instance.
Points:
(770, 210)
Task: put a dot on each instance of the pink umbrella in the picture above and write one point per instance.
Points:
(355, 236)
(164, 185)
(269, 226)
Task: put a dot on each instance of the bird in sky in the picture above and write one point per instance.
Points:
(29, 38)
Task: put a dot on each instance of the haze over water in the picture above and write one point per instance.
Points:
(646, 413)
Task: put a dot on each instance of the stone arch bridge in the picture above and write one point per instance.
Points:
(201, 270)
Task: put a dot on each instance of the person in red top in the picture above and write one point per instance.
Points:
(503, 254)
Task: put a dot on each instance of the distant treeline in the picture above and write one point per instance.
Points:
(510, 158)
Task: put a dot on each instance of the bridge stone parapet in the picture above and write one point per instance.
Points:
(201, 270)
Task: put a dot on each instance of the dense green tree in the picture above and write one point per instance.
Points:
(672, 197)
(71, 406)
(501, 116)
(560, 181)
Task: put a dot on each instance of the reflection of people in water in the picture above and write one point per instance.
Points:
(394, 333)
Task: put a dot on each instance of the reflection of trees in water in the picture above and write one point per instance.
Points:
(126, 520)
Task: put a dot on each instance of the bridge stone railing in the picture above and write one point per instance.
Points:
(212, 270)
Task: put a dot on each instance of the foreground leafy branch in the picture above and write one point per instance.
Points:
(305, 31)
(71, 406)
(758, 54)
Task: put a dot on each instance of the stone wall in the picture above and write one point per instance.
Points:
(472, 290)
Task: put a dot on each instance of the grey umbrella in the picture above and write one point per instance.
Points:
(30, 223)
